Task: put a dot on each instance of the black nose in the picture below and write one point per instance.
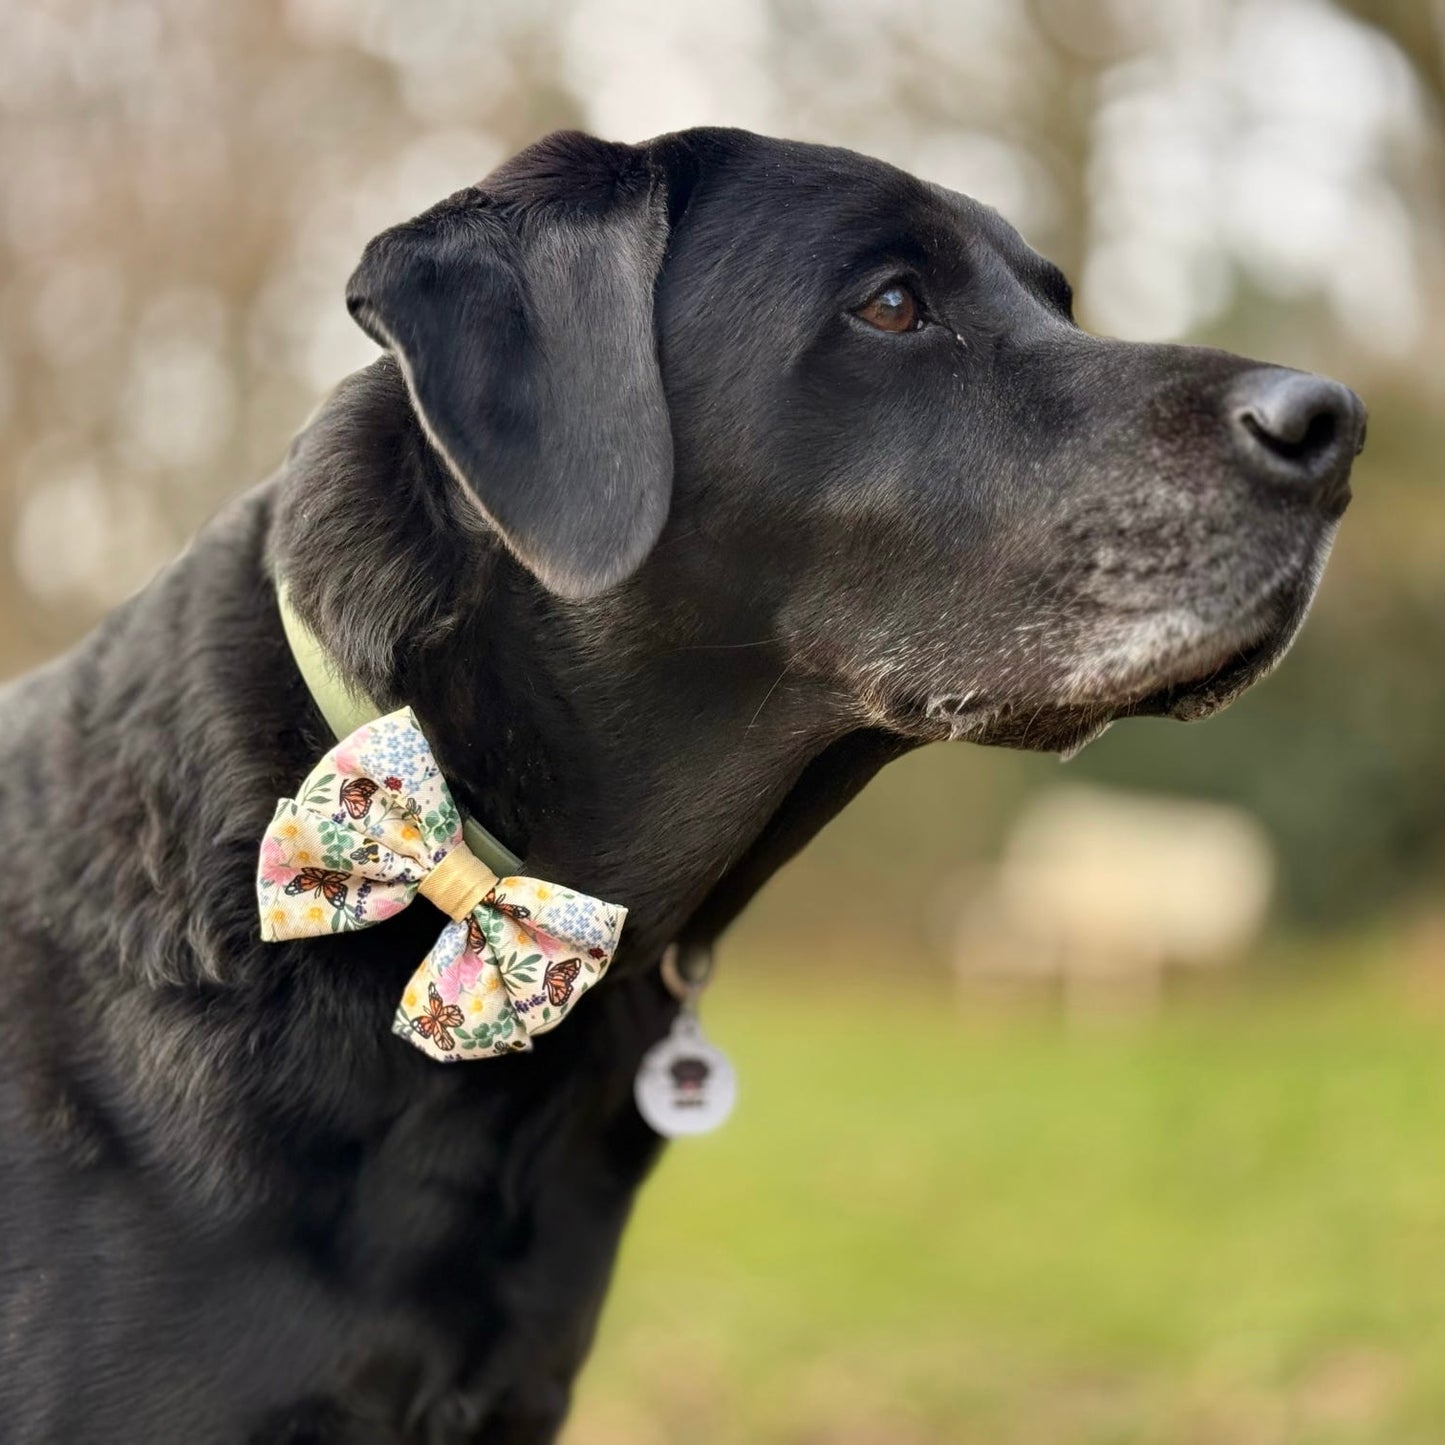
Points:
(1298, 431)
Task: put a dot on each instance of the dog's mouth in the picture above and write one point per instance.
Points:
(1239, 654)
(1191, 689)
(1212, 680)
(1167, 665)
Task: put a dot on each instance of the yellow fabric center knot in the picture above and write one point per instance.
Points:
(458, 883)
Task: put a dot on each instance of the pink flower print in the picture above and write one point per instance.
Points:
(275, 870)
(469, 970)
(460, 978)
(447, 985)
(347, 762)
(539, 938)
(384, 907)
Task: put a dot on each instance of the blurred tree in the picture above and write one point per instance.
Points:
(187, 184)
(1418, 28)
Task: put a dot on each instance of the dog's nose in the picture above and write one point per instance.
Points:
(1298, 431)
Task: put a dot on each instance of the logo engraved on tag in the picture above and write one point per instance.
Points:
(684, 1085)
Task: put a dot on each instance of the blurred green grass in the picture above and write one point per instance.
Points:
(933, 1223)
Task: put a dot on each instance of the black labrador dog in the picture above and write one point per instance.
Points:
(699, 479)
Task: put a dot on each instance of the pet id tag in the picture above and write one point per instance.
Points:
(684, 1085)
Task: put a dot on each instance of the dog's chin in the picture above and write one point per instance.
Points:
(1209, 677)
(1170, 665)
(1198, 691)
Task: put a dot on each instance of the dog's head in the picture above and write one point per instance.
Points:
(857, 411)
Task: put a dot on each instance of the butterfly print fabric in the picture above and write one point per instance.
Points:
(357, 843)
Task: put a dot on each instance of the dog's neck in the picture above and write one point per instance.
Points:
(626, 747)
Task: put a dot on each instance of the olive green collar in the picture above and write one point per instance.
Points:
(346, 708)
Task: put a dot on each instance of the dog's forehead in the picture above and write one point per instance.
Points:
(818, 210)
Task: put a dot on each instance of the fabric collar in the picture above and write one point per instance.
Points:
(346, 707)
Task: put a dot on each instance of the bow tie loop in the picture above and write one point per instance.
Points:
(373, 825)
(459, 883)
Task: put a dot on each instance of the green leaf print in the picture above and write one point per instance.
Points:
(320, 789)
(448, 819)
(519, 972)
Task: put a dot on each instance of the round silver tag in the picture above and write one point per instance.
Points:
(684, 1085)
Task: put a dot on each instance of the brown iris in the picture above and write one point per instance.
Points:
(894, 308)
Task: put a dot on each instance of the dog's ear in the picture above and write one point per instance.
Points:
(520, 312)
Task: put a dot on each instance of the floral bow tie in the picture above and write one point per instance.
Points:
(374, 825)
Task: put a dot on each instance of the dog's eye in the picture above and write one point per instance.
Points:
(894, 308)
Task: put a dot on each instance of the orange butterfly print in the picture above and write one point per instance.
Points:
(498, 903)
(559, 979)
(438, 1019)
(356, 796)
(323, 882)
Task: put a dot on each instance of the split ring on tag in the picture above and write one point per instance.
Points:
(685, 1085)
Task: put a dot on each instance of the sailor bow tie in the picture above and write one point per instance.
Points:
(374, 825)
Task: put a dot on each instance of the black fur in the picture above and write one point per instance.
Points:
(233, 1207)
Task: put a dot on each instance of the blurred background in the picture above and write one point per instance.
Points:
(1164, 1163)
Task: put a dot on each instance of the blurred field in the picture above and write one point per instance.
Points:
(1222, 1225)
(185, 186)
